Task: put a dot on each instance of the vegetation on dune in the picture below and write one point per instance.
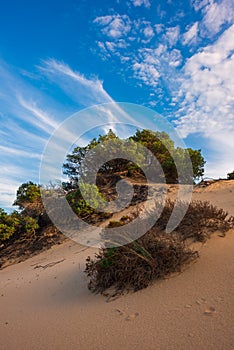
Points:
(27, 231)
(200, 221)
(134, 265)
(79, 205)
(15, 224)
(157, 254)
(84, 159)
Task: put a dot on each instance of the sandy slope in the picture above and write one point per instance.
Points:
(45, 304)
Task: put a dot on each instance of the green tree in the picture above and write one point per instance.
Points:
(27, 193)
(198, 162)
(159, 143)
(83, 160)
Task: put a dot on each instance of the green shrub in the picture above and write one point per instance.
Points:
(80, 206)
(6, 231)
(9, 224)
(15, 223)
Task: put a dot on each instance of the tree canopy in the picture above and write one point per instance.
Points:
(84, 159)
(27, 193)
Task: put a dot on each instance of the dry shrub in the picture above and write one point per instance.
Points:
(136, 265)
(156, 254)
(200, 220)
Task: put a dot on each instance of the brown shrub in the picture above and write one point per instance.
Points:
(136, 265)
(200, 220)
(156, 254)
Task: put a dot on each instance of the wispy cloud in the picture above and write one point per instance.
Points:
(84, 91)
(37, 112)
(19, 152)
(25, 126)
(199, 4)
(37, 116)
(28, 117)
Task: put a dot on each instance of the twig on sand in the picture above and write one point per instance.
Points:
(49, 265)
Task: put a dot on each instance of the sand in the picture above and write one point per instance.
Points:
(45, 303)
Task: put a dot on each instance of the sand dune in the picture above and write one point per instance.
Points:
(45, 303)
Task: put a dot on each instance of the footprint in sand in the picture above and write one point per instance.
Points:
(132, 316)
(210, 311)
(128, 317)
(201, 301)
(119, 312)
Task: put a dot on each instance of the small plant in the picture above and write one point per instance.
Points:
(124, 218)
(115, 223)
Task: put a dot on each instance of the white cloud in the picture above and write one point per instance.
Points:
(190, 36)
(206, 97)
(147, 31)
(171, 35)
(199, 4)
(145, 3)
(28, 138)
(154, 64)
(148, 64)
(159, 28)
(114, 26)
(216, 14)
(146, 72)
(8, 193)
(208, 80)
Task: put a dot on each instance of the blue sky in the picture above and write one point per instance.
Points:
(58, 57)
